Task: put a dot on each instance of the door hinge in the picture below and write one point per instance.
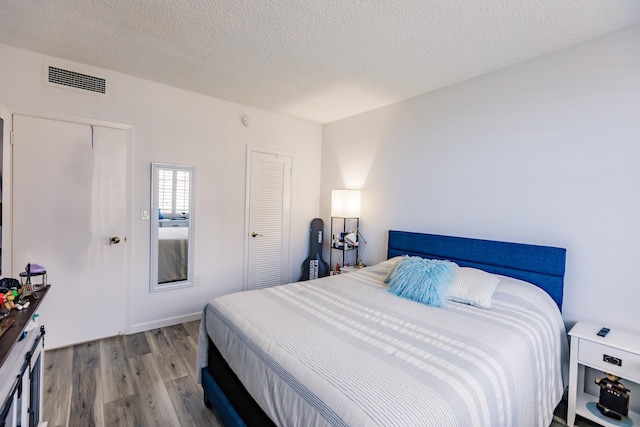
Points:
(12, 137)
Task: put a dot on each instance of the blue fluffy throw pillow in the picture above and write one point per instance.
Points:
(422, 280)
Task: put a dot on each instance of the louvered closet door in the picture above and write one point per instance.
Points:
(268, 223)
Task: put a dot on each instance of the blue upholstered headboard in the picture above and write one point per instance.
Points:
(541, 265)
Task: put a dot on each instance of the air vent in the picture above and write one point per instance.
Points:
(59, 76)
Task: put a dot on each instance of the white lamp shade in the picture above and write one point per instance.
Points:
(345, 203)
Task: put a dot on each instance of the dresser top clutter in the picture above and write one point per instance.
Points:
(21, 319)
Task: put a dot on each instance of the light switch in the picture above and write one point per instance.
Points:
(144, 213)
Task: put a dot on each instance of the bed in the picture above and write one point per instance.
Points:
(173, 256)
(342, 351)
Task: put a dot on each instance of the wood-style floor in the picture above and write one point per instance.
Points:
(560, 418)
(145, 379)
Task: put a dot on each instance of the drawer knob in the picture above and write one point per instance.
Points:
(612, 360)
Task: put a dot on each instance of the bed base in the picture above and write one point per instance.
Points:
(225, 393)
(215, 397)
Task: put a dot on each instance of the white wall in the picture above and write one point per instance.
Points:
(544, 152)
(181, 127)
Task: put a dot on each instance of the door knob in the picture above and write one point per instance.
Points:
(254, 234)
(115, 240)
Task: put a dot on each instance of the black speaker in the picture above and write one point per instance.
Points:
(614, 398)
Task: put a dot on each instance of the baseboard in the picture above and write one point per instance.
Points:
(161, 323)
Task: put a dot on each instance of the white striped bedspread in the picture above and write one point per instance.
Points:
(339, 351)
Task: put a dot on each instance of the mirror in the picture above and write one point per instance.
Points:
(172, 226)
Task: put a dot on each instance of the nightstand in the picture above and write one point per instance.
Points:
(617, 353)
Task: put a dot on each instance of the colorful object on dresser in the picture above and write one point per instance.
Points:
(8, 300)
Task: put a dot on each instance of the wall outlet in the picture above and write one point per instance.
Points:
(197, 281)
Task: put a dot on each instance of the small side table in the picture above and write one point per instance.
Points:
(603, 354)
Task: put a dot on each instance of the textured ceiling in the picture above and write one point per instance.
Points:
(319, 60)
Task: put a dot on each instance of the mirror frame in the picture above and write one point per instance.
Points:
(154, 286)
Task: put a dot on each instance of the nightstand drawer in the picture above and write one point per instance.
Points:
(608, 359)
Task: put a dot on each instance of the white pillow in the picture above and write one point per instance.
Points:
(391, 264)
(472, 286)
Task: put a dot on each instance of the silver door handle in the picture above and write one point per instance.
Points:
(115, 240)
(254, 234)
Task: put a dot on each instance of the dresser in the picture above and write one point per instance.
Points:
(21, 366)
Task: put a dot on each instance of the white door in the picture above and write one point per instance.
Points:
(268, 211)
(69, 201)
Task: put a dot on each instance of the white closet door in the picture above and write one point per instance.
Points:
(69, 201)
(269, 219)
